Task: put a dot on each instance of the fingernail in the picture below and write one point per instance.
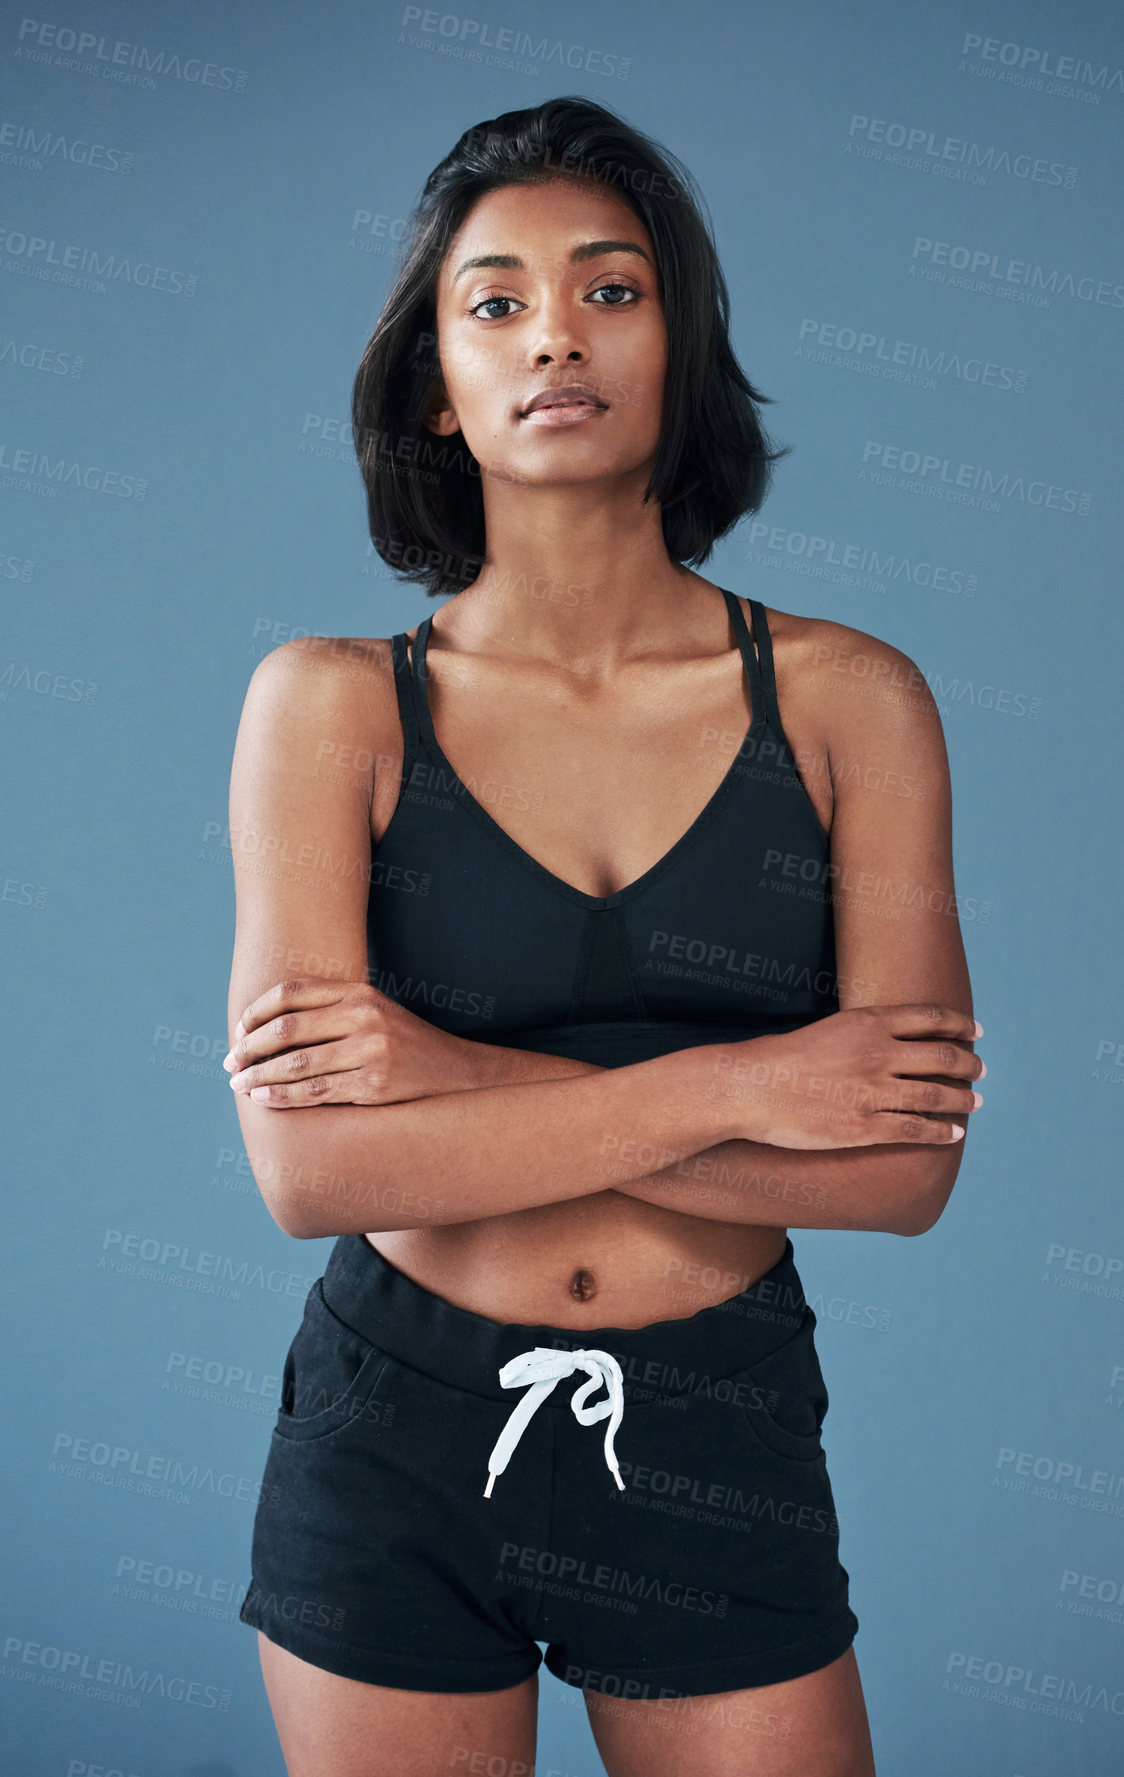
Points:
(239, 1031)
(237, 1082)
(260, 1093)
(978, 1031)
(228, 1061)
(977, 1100)
(983, 1070)
(957, 1132)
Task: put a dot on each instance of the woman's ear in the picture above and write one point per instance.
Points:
(440, 415)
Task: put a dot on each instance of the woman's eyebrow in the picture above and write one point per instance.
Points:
(586, 250)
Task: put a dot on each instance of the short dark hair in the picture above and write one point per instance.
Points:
(714, 461)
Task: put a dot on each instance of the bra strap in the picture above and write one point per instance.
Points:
(407, 708)
(762, 709)
(768, 670)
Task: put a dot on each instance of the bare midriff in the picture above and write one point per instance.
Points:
(595, 1261)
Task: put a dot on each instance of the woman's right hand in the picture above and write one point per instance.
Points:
(857, 1078)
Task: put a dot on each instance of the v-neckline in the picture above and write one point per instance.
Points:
(751, 675)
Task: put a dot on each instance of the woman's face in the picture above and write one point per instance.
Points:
(575, 301)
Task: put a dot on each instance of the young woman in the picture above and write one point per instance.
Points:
(634, 978)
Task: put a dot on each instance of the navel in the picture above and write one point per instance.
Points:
(583, 1285)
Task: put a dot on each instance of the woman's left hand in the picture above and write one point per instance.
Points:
(310, 1041)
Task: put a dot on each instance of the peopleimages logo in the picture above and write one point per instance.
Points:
(859, 559)
(1043, 62)
(874, 353)
(208, 1271)
(130, 64)
(448, 33)
(976, 478)
(1073, 1476)
(82, 1672)
(928, 151)
(131, 1470)
(1094, 1588)
(576, 1571)
(1090, 1273)
(31, 470)
(61, 262)
(1045, 1693)
(990, 267)
(23, 145)
(48, 359)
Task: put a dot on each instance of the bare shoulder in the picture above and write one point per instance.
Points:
(843, 684)
(327, 701)
(335, 692)
(327, 665)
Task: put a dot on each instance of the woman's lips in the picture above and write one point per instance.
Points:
(563, 413)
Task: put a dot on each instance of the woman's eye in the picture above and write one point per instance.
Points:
(615, 305)
(490, 302)
(487, 302)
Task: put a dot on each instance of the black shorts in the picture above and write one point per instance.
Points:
(715, 1567)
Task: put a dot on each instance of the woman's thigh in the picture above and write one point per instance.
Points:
(338, 1727)
(815, 1726)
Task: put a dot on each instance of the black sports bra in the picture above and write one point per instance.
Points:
(729, 935)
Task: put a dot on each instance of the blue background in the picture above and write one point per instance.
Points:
(270, 190)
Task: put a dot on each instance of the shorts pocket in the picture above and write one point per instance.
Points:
(784, 1399)
(331, 1376)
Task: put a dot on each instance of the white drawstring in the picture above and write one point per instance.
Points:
(542, 1368)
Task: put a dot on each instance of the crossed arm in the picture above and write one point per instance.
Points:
(900, 1184)
(503, 1129)
(516, 1129)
